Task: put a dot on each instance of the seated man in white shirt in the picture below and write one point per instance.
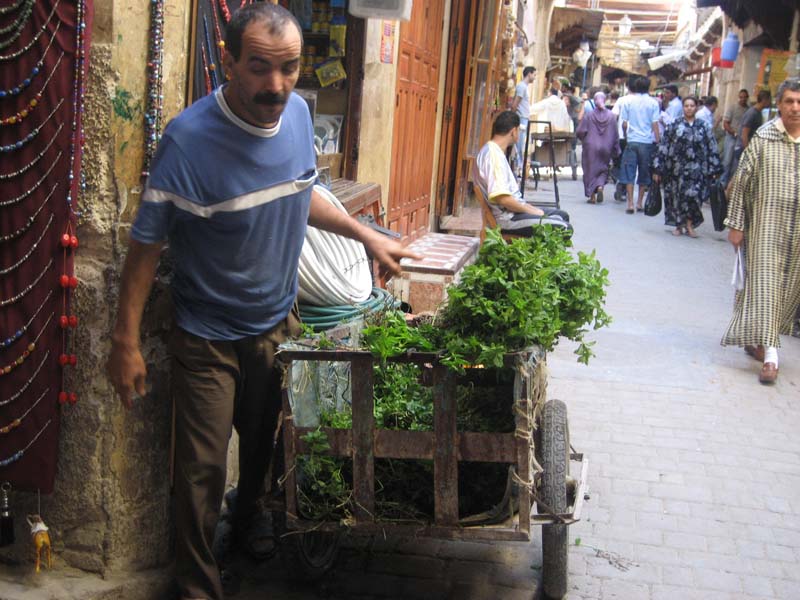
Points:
(493, 176)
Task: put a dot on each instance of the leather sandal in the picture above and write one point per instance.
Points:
(756, 352)
(768, 374)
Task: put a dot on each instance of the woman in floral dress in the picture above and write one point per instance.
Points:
(687, 163)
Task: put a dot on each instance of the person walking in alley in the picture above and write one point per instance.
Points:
(751, 121)
(230, 189)
(674, 106)
(600, 141)
(493, 176)
(731, 123)
(687, 160)
(706, 112)
(764, 222)
(522, 106)
(640, 123)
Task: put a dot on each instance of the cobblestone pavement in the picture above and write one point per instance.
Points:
(694, 467)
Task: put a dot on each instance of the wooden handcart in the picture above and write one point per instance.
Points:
(551, 149)
(538, 450)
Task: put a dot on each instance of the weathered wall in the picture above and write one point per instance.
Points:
(377, 110)
(110, 508)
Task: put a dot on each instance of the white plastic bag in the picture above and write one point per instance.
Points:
(737, 278)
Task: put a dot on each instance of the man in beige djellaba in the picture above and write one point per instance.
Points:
(764, 218)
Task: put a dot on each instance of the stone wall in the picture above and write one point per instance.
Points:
(110, 508)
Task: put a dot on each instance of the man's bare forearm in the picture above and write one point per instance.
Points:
(137, 281)
(323, 215)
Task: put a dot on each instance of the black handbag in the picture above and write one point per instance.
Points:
(652, 205)
(719, 206)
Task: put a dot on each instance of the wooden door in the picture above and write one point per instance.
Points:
(480, 95)
(461, 19)
(415, 119)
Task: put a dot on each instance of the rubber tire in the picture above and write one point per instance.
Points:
(554, 459)
(306, 556)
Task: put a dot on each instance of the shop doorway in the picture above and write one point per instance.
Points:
(470, 98)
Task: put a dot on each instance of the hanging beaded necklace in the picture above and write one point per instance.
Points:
(24, 49)
(18, 454)
(27, 289)
(226, 12)
(24, 387)
(212, 68)
(26, 168)
(28, 224)
(155, 97)
(17, 25)
(24, 195)
(18, 421)
(218, 39)
(27, 352)
(20, 143)
(32, 249)
(77, 139)
(11, 8)
(21, 331)
(33, 102)
(205, 69)
(18, 89)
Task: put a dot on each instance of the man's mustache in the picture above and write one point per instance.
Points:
(270, 98)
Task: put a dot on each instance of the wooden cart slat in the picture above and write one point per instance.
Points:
(445, 460)
(363, 426)
(418, 445)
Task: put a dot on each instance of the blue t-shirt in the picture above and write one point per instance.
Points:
(233, 201)
(641, 111)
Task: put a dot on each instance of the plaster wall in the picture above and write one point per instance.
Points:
(377, 109)
(110, 507)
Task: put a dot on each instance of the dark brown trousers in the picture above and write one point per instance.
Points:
(217, 386)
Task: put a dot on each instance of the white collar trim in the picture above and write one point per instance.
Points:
(241, 123)
(782, 128)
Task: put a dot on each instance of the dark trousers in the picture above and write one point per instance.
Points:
(217, 386)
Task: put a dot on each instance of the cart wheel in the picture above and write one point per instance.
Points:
(308, 556)
(553, 492)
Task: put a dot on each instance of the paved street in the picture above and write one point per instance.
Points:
(694, 466)
(695, 471)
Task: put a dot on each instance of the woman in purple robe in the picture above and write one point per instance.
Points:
(600, 140)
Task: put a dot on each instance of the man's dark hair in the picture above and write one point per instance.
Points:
(528, 70)
(553, 92)
(614, 95)
(505, 122)
(640, 85)
(711, 101)
(764, 96)
(672, 88)
(275, 16)
(789, 85)
(745, 92)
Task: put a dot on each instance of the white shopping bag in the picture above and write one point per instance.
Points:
(737, 278)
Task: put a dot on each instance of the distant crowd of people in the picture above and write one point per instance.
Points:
(682, 146)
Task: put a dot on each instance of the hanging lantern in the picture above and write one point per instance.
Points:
(716, 60)
(625, 26)
(730, 48)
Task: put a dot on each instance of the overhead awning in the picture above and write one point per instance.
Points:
(706, 36)
(775, 17)
(569, 26)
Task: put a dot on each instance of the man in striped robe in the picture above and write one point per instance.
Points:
(764, 219)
